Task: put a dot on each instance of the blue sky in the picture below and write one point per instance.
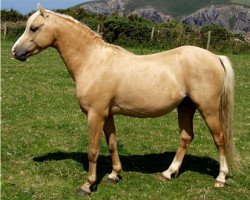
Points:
(25, 6)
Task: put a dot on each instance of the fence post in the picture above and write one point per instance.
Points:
(208, 40)
(98, 29)
(152, 34)
(4, 30)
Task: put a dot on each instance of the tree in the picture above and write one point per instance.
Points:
(12, 15)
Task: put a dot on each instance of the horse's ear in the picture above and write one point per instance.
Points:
(41, 10)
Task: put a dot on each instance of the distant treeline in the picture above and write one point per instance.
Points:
(12, 16)
(132, 31)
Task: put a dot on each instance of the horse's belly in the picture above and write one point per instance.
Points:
(145, 107)
(140, 113)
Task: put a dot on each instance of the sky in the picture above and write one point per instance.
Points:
(25, 6)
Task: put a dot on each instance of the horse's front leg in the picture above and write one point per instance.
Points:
(95, 124)
(109, 130)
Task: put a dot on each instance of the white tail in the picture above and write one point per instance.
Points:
(226, 114)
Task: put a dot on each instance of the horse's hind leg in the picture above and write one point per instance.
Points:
(186, 112)
(215, 127)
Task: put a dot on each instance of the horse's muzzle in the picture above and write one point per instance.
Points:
(20, 54)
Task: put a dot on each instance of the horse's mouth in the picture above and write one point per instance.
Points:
(23, 57)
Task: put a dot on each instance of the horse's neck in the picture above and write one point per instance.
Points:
(75, 46)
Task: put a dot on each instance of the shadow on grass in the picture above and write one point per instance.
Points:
(149, 163)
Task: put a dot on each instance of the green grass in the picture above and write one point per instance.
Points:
(44, 140)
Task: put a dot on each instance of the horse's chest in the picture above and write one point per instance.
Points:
(94, 96)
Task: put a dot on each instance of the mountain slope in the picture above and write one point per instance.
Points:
(233, 17)
(193, 12)
(177, 9)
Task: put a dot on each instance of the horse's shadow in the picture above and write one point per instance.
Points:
(149, 163)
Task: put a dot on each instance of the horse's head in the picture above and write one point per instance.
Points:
(37, 36)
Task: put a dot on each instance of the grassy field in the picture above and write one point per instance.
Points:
(44, 141)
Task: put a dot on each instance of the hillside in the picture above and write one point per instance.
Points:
(188, 11)
(177, 9)
(233, 17)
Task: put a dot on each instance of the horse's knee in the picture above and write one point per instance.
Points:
(112, 147)
(185, 139)
(92, 155)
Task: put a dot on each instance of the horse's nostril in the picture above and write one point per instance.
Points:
(13, 51)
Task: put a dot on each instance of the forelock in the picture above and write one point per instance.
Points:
(32, 18)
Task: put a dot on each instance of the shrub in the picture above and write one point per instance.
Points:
(12, 15)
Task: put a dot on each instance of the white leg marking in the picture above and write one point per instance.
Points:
(174, 167)
(113, 176)
(223, 170)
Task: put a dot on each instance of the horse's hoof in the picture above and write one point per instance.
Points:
(162, 178)
(219, 184)
(111, 181)
(81, 192)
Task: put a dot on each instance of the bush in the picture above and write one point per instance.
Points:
(123, 31)
(12, 15)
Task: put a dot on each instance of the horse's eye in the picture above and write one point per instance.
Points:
(33, 29)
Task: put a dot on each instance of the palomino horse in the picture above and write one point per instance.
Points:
(110, 80)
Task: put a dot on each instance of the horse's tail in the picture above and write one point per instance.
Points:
(226, 113)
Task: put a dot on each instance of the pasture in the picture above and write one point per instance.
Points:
(45, 140)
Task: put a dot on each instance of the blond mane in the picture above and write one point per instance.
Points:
(88, 30)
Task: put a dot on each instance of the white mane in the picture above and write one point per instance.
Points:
(90, 31)
(71, 19)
